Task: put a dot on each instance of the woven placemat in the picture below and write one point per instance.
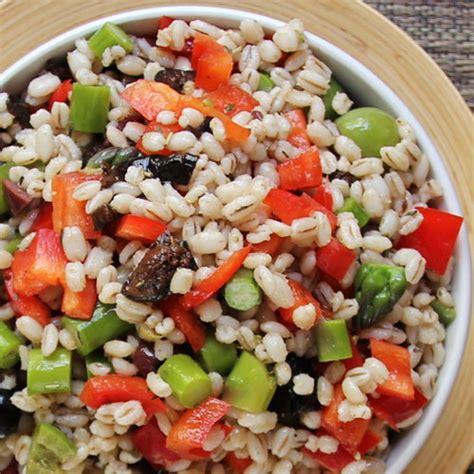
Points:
(444, 29)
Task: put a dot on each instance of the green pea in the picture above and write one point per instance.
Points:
(334, 88)
(370, 128)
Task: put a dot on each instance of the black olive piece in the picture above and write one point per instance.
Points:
(204, 127)
(144, 359)
(149, 282)
(347, 177)
(103, 216)
(58, 67)
(9, 414)
(20, 109)
(175, 78)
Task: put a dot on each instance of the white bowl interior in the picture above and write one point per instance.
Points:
(361, 84)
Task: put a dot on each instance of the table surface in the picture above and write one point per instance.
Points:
(386, 50)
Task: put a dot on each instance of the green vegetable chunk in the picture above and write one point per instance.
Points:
(377, 289)
(249, 386)
(265, 83)
(13, 244)
(242, 292)
(96, 357)
(189, 383)
(89, 108)
(370, 128)
(102, 327)
(446, 314)
(4, 174)
(49, 449)
(334, 88)
(217, 356)
(109, 35)
(51, 374)
(9, 344)
(332, 341)
(351, 205)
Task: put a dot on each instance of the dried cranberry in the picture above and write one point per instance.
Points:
(144, 359)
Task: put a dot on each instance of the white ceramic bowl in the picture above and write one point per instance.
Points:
(362, 84)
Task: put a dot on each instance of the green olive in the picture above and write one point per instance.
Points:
(334, 88)
(370, 128)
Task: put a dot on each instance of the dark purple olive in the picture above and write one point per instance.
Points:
(9, 414)
(16, 198)
(144, 359)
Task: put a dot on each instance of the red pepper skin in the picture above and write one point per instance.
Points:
(315, 206)
(151, 443)
(132, 227)
(323, 195)
(164, 22)
(397, 360)
(231, 99)
(61, 94)
(26, 305)
(334, 259)
(349, 434)
(335, 462)
(298, 136)
(237, 465)
(80, 305)
(186, 322)
(165, 130)
(44, 219)
(302, 171)
(113, 388)
(369, 442)
(66, 210)
(216, 280)
(270, 246)
(188, 434)
(435, 239)
(394, 410)
(356, 360)
(40, 265)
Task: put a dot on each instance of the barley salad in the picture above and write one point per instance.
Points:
(213, 261)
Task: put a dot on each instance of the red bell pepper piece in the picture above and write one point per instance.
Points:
(44, 219)
(61, 94)
(188, 323)
(151, 443)
(369, 442)
(113, 388)
(302, 297)
(216, 280)
(397, 360)
(237, 465)
(40, 265)
(334, 259)
(149, 98)
(394, 410)
(323, 195)
(66, 210)
(315, 206)
(189, 433)
(270, 246)
(80, 305)
(435, 238)
(26, 305)
(231, 99)
(212, 62)
(165, 130)
(132, 227)
(298, 136)
(164, 22)
(356, 360)
(349, 434)
(302, 171)
(335, 462)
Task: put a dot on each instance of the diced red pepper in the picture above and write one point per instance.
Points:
(132, 227)
(165, 131)
(315, 206)
(231, 99)
(80, 305)
(151, 443)
(164, 22)
(186, 322)
(435, 239)
(113, 388)
(40, 265)
(189, 433)
(334, 259)
(394, 410)
(44, 219)
(335, 462)
(356, 360)
(149, 98)
(270, 246)
(216, 280)
(212, 62)
(302, 171)
(323, 195)
(298, 136)
(26, 305)
(397, 360)
(350, 433)
(369, 442)
(66, 210)
(302, 297)
(61, 94)
(237, 465)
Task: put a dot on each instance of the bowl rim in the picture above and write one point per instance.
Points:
(458, 331)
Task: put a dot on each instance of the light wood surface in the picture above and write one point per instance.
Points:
(377, 43)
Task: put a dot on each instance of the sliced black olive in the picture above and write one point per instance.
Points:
(9, 414)
(204, 127)
(150, 280)
(16, 198)
(58, 67)
(103, 216)
(175, 78)
(20, 109)
(347, 177)
(144, 359)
